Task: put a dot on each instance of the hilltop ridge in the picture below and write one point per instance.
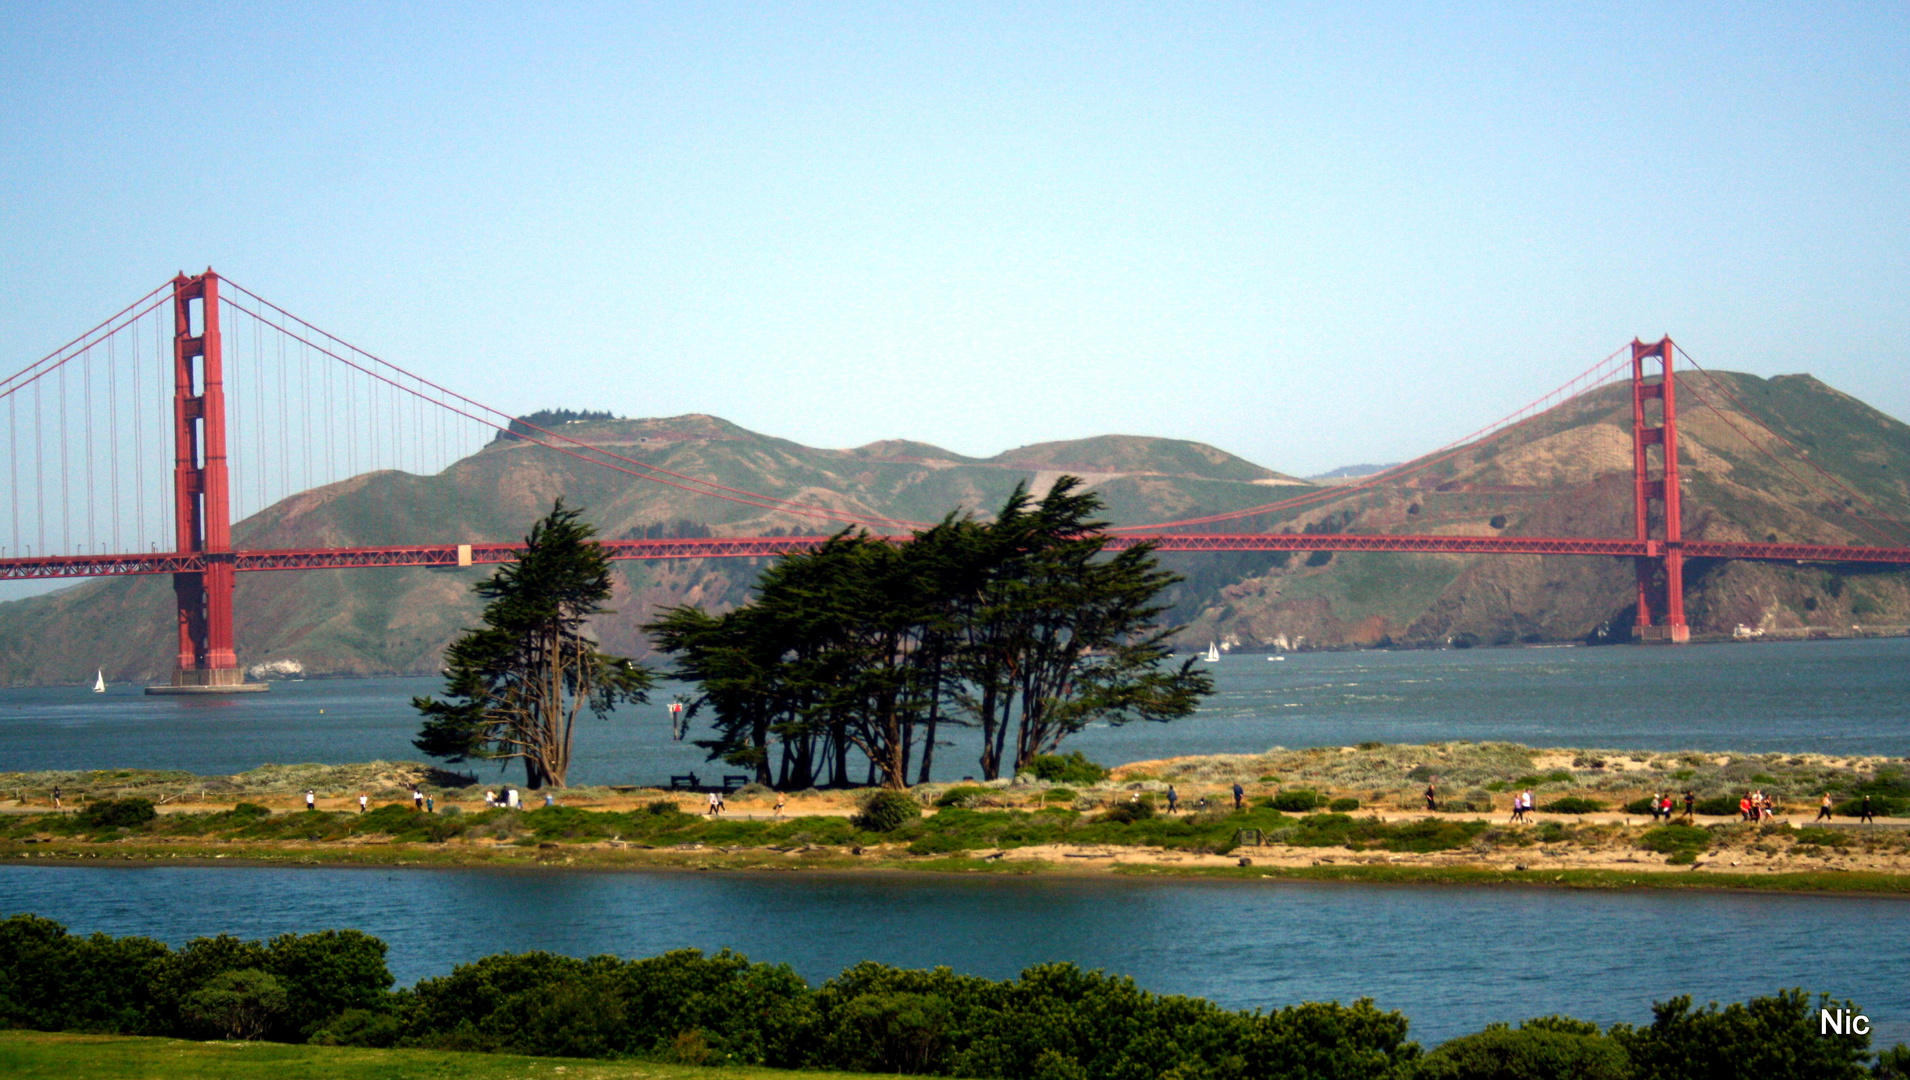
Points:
(1564, 473)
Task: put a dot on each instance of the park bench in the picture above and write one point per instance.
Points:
(685, 782)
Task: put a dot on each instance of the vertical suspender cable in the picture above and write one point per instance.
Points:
(112, 427)
(86, 404)
(13, 469)
(66, 476)
(284, 432)
(305, 406)
(39, 467)
(139, 451)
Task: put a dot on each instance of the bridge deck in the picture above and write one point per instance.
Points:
(64, 566)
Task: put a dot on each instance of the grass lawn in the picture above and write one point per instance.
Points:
(63, 1056)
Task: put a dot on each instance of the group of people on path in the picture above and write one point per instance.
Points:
(1664, 807)
(1864, 812)
(1522, 807)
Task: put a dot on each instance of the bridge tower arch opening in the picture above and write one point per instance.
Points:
(1657, 506)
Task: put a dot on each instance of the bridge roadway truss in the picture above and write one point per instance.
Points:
(735, 547)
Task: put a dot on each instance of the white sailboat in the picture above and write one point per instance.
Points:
(1213, 653)
(99, 681)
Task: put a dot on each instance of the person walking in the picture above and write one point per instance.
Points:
(1173, 798)
(1864, 814)
(1240, 796)
(781, 799)
(549, 799)
(1432, 803)
(363, 801)
(716, 801)
(430, 804)
(417, 798)
(1666, 806)
(311, 799)
(1691, 804)
(1823, 808)
(56, 797)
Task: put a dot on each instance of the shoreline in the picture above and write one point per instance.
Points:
(1088, 863)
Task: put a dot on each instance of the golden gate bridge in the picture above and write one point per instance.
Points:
(222, 374)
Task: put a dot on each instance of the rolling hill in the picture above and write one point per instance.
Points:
(1563, 473)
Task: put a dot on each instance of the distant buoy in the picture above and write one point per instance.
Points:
(321, 712)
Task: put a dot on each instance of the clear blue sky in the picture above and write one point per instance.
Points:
(1309, 234)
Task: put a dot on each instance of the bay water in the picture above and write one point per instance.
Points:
(1452, 958)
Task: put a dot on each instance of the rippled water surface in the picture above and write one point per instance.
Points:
(1452, 959)
(1829, 696)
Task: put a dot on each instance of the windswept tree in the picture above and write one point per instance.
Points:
(1024, 626)
(1063, 634)
(514, 687)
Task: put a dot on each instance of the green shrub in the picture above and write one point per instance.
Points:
(1769, 1036)
(1644, 805)
(1297, 801)
(962, 797)
(1370, 745)
(1824, 837)
(1060, 795)
(1533, 1052)
(1717, 806)
(1128, 811)
(249, 811)
(1572, 804)
(359, 1027)
(117, 813)
(1670, 839)
(241, 1004)
(886, 811)
(1066, 769)
(1344, 805)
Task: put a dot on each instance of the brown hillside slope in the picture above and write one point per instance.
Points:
(1562, 474)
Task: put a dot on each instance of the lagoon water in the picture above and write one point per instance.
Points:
(1846, 697)
(1454, 959)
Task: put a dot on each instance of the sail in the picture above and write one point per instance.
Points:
(99, 681)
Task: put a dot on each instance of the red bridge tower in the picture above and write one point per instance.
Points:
(207, 662)
(1661, 571)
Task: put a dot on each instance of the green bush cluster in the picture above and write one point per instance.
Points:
(116, 813)
(283, 989)
(965, 796)
(885, 811)
(1071, 768)
(1572, 804)
(1054, 1022)
(1298, 801)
